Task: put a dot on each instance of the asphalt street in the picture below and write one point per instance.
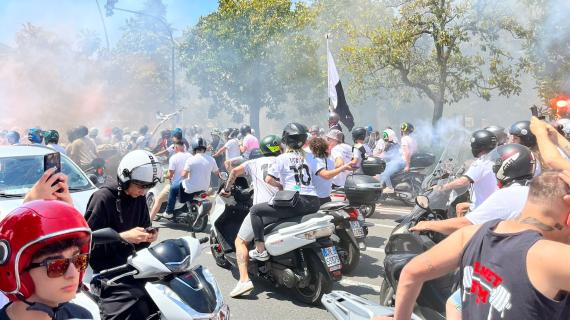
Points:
(269, 302)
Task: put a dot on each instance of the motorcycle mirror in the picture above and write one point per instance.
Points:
(105, 236)
(422, 202)
(224, 176)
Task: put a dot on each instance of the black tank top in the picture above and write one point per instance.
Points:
(495, 283)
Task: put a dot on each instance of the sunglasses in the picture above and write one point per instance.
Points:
(57, 267)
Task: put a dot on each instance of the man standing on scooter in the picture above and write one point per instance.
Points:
(175, 169)
(122, 207)
(257, 169)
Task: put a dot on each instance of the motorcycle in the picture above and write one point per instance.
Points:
(403, 245)
(190, 210)
(303, 256)
(178, 288)
(346, 306)
(408, 185)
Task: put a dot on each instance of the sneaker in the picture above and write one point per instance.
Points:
(168, 215)
(242, 288)
(263, 256)
(388, 190)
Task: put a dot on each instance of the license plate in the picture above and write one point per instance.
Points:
(357, 229)
(331, 258)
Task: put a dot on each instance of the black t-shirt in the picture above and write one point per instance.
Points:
(102, 213)
(66, 311)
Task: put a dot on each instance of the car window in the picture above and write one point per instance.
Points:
(19, 174)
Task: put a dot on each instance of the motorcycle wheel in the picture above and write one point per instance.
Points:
(319, 282)
(368, 210)
(201, 225)
(218, 256)
(386, 294)
(352, 257)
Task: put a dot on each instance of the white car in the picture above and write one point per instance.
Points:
(21, 167)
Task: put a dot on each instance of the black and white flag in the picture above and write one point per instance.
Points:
(336, 94)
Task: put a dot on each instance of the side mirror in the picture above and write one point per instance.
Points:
(224, 176)
(422, 202)
(105, 236)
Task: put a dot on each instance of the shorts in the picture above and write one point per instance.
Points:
(455, 298)
(246, 230)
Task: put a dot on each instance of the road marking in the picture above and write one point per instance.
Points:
(346, 282)
(381, 249)
(384, 225)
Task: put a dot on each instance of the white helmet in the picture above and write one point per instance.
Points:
(390, 135)
(565, 124)
(139, 166)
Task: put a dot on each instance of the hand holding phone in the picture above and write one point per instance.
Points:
(151, 229)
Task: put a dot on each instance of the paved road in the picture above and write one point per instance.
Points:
(268, 302)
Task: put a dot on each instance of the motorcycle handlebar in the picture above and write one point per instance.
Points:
(117, 270)
(204, 240)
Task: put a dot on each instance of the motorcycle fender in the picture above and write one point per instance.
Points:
(347, 235)
(332, 275)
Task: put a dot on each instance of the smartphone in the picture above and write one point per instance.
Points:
(52, 160)
(534, 111)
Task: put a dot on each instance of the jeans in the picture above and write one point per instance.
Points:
(392, 167)
(174, 189)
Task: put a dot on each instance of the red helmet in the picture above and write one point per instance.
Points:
(29, 228)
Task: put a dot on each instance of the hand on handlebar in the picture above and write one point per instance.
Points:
(421, 226)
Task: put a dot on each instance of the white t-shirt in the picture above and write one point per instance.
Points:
(322, 185)
(484, 180)
(176, 163)
(292, 167)
(357, 154)
(258, 169)
(411, 143)
(379, 148)
(250, 142)
(343, 151)
(232, 149)
(504, 204)
(200, 167)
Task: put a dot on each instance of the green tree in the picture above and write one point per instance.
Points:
(444, 50)
(237, 55)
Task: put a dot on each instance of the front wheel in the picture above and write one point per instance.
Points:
(218, 252)
(319, 282)
(386, 294)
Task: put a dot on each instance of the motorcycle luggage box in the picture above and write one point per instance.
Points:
(422, 160)
(373, 165)
(362, 189)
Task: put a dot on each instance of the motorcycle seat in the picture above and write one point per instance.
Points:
(290, 222)
(333, 205)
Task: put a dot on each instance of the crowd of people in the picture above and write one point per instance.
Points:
(512, 234)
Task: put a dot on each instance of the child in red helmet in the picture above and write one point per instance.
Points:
(44, 251)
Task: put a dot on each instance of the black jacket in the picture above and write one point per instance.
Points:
(102, 213)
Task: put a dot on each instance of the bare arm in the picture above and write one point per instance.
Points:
(185, 174)
(457, 183)
(329, 174)
(548, 150)
(446, 227)
(271, 181)
(440, 260)
(338, 162)
(236, 172)
(219, 152)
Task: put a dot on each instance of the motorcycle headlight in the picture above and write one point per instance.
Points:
(180, 266)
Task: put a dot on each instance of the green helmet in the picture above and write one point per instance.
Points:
(270, 145)
(51, 136)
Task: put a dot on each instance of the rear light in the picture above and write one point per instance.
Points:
(352, 213)
(100, 171)
(204, 195)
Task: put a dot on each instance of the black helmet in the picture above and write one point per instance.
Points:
(244, 130)
(233, 133)
(82, 131)
(407, 127)
(199, 143)
(334, 118)
(166, 134)
(358, 133)
(294, 135)
(255, 153)
(513, 162)
(270, 145)
(521, 129)
(482, 141)
(499, 132)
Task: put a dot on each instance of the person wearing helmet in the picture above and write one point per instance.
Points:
(122, 206)
(480, 174)
(341, 154)
(360, 150)
(334, 122)
(521, 133)
(292, 171)
(257, 170)
(231, 148)
(500, 133)
(143, 141)
(408, 144)
(51, 138)
(83, 151)
(249, 141)
(42, 261)
(392, 154)
(196, 176)
(12, 137)
(314, 132)
(35, 136)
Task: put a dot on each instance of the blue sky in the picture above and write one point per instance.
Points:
(70, 16)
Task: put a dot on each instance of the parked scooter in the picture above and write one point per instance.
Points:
(302, 255)
(179, 288)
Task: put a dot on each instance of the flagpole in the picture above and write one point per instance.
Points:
(327, 36)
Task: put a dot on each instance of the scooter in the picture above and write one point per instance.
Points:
(192, 211)
(347, 306)
(302, 255)
(408, 185)
(179, 288)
